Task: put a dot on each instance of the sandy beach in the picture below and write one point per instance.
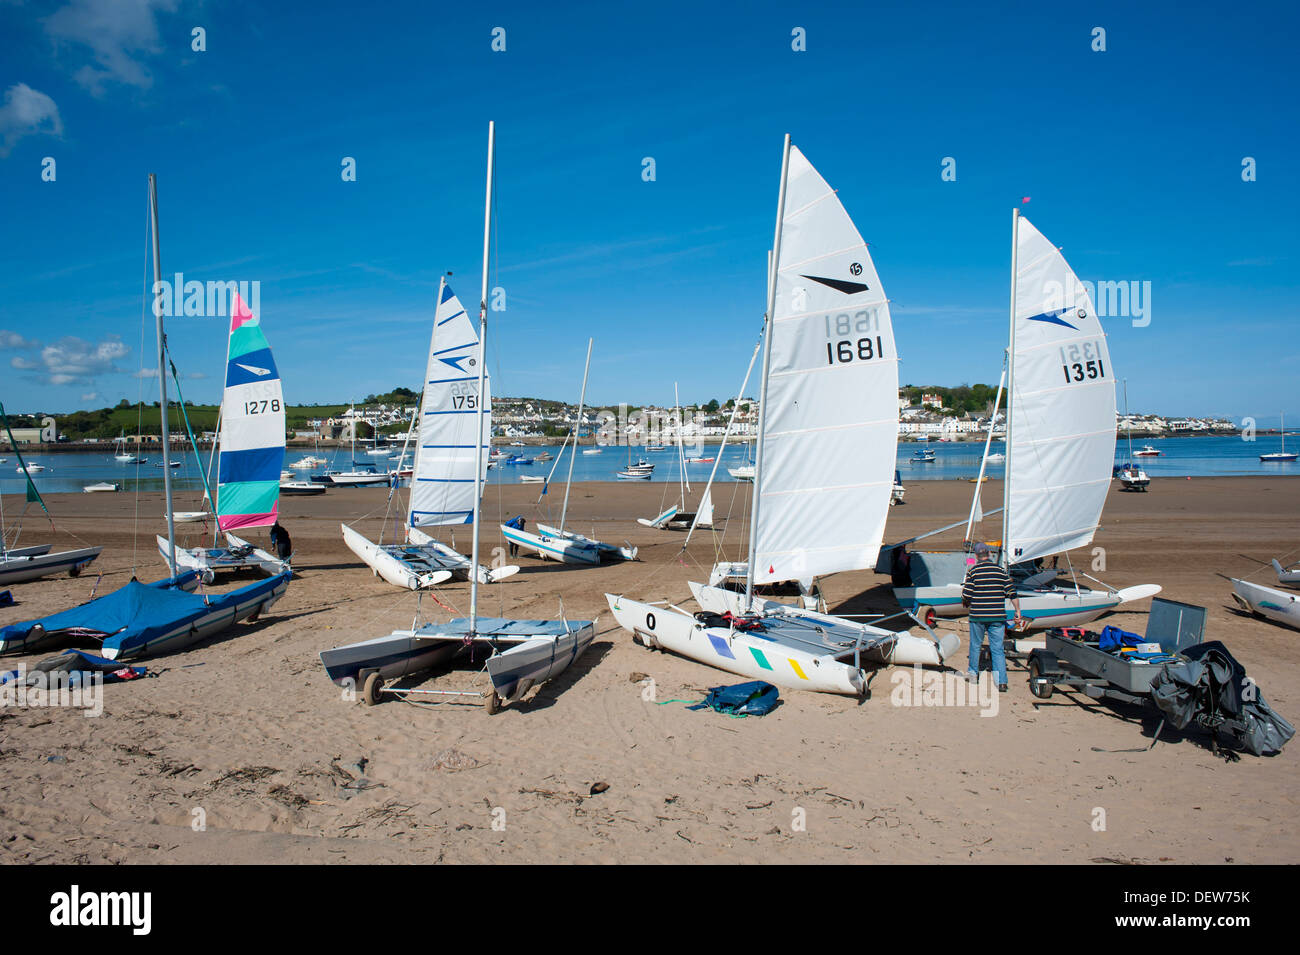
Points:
(248, 736)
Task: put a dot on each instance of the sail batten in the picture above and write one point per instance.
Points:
(1061, 444)
(442, 482)
(252, 427)
(830, 425)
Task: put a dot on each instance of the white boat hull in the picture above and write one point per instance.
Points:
(549, 547)
(390, 568)
(1276, 605)
(605, 551)
(1043, 609)
(1287, 576)
(735, 651)
(906, 649)
(19, 566)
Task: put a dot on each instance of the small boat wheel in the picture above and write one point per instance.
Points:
(370, 689)
(493, 703)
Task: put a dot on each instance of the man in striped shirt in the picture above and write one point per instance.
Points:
(987, 588)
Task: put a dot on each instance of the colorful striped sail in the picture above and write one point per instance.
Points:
(252, 427)
(442, 484)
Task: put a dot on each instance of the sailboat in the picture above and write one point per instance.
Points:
(1289, 576)
(1060, 449)
(122, 455)
(1131, 476)
(141, 620)
(1283, 455)
(442, 483)
(556, 543)
(18, 564)
(677, 517)
(523, 653)
(361, 475)
(824, 464)
(252, 453)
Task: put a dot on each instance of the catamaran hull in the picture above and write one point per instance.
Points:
(1287, 576)
(745, 654)
(1276, 605)
(906, 649)
(457, 562)
(1042, 609)
(553, 548)
(533, 662)
(603, 550)
(399, 654)
(394, 570)
(207, 561)
(16, 567)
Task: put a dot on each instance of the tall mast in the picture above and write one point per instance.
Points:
(988, 441)
(681, 449)
(577, 433)
(482, 368)
(162, 380)
(1011, 391)
(767, 365)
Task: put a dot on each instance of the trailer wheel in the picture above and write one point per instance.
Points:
(1042, 689)
(492, 704)
(74, 570)
(370, 689)
(925, 613)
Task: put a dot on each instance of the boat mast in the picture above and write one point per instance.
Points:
(577, 433)
(162, 379)
(1011, 384)
(767, 365)
(1129, 422)
(988, 440)
(682, 483)
(482, 368)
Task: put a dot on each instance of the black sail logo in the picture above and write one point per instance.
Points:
(840, 285)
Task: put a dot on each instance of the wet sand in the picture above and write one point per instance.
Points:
(247, 735)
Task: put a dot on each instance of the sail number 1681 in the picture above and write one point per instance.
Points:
(847, 350)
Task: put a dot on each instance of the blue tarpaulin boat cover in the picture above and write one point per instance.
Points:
(143, 608)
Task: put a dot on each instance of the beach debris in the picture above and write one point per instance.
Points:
(598, 788)
(452, 760)
(285, 795)
(56, 759)
(638, 677)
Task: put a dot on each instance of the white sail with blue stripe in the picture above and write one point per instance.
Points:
(442, 483)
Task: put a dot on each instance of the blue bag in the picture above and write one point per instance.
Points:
(1113, 639)
(743, 699)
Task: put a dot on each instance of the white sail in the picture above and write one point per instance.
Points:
(830, 427)
(1061, 441)
(442, 481)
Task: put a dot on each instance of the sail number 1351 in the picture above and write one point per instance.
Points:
(1082, 361)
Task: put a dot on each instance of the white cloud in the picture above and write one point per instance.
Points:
(120, 34)
(25, 112)
(10, 339)
(73, 359)
(90, 396)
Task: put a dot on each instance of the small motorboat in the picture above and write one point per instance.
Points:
(743, 473)
(190, 517)
(700, 460)
(174, 464)
(1132, 478)
(1146, 451)
(302, 488)
(635, 475)
(531, 479)
(32, 468)
(101, 487)
(924, 455)
(593, 450)
(308, 462)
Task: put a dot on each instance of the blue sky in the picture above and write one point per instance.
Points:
(1132, 157)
